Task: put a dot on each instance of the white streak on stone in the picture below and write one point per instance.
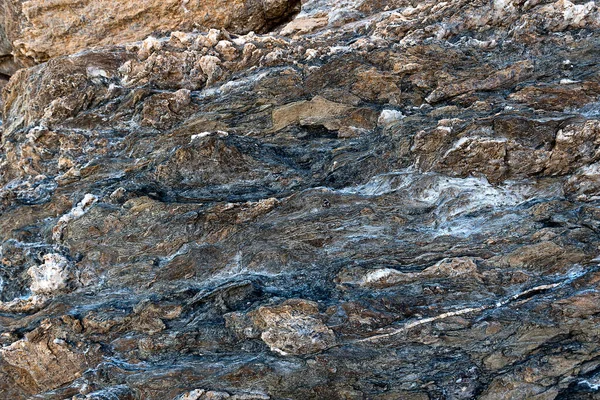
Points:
(76, 212)
(467, 310)
(200, 135)
(379, 274)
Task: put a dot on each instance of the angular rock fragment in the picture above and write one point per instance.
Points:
(53, 276)
(293, 327)
(52, 354)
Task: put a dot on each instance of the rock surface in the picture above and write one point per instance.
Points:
(34, 31)
(374, 200)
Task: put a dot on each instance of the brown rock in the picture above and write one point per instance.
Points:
(452, 267)
(52, 355)
(320, 111)
(583, 305)
(40, 30)
(301, 26)
(477, 155)
(148, 317)
(162, 110)
(517, 148)
(559, 98)
(57, 97)
(293, 327)
(510, 389)
(510, 75)
(576, 145)
(542, 256)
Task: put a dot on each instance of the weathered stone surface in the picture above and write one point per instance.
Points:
(201, 394)
(377, 200)
(35, 31)
(51, 355)
(293, 327)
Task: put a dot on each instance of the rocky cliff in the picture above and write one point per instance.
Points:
(262, 199)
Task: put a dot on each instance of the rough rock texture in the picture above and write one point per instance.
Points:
(35, 30)
(293, 327)
(376, 200)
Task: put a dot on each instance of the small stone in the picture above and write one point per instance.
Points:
(389, 117)
(53, 276)
(294, 327)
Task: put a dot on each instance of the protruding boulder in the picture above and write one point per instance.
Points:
(293, 327)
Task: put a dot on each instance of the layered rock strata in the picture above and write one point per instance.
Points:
(376, 200)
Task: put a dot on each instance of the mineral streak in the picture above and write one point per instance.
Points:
(358, 200)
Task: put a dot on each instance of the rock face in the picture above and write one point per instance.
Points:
(34, 31)
(51, 355)
(374, 200)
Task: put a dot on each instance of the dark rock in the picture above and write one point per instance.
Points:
(376, 200)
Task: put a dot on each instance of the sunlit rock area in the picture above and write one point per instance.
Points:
(317, 199)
